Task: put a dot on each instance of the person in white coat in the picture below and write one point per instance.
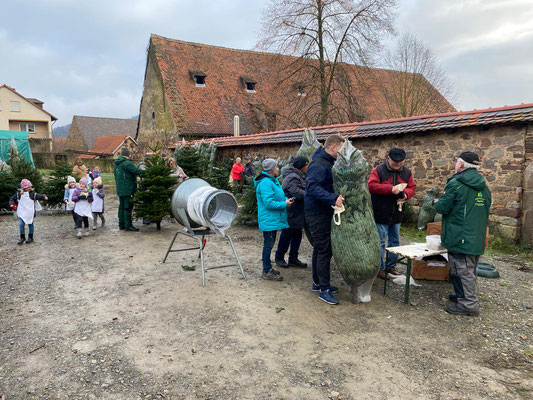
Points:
(97, 206)
(26, 203)
(67, 197)
(83, 197)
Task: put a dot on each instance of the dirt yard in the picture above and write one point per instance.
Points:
(104, 318)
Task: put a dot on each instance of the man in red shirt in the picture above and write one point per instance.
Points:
(237, 173)
(388, 197)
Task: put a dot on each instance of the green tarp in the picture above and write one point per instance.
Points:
(21, 140)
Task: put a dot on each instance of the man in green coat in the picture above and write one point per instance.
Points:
(126, 180)
(465, 207)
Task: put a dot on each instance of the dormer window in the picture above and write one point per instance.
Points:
(300, 89)
(198, 78)
(250, 86)
(249, 83)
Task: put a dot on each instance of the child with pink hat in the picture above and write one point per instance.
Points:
(26, 203)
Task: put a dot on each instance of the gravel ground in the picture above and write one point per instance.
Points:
(104, 318)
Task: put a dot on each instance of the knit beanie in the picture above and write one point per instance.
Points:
(71, 179)
(299, 162)
(97, 181)
(269, 165)
(25, 183)
(83, 181)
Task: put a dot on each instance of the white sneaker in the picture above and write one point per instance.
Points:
(86, 233)
(94, 227)
(79, 234)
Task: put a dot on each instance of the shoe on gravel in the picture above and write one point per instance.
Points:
(328, 297)
(271, 276)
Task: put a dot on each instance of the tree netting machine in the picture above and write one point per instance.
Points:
(203, 210)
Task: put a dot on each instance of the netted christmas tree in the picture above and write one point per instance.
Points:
(152, 200)
(8, 187)
(355, 240)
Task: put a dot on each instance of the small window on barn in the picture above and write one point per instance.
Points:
(198, 78)
(250, 87)
(300, 89)
(153, 114)
(249, 83)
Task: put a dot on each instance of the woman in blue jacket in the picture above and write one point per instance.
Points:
(271, 212)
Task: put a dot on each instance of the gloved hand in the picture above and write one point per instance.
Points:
(83, 195)
(13, 206)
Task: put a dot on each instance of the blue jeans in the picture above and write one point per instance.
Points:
(392, 233)
(22, 227)
(269, 238)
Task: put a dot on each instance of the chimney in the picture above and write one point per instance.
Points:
(236, 129)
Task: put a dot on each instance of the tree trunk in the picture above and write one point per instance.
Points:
(322, 65)
(158, 225)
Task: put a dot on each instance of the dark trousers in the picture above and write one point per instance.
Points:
(269, 238)
(74, 217)
(320, 228)
(125, 205)
(79, 219)
(289, 237)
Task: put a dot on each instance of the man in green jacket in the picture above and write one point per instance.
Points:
(126, 180)
(465, 207)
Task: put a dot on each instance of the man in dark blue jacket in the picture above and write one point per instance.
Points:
(318, 204)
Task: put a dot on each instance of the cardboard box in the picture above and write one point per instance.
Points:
(435, 228)
(431, 270)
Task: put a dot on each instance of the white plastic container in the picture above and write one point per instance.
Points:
(433, 242)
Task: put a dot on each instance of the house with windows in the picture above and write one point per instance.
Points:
(110, 147)
(85, 131)
(26, 114)
(194, 91)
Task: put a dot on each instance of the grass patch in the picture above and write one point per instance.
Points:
(528, 352)
(504, 283)
(413, 233)
(499, 246)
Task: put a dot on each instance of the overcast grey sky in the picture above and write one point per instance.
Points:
(88, 57)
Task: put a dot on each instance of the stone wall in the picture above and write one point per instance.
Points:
(431, 158)
(156, 125)
(75, 139)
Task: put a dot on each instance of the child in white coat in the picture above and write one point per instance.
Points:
(26, 202)
(83, 197)
(97, 206)
(67, 198)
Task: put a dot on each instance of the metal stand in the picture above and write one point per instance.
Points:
(201, 245)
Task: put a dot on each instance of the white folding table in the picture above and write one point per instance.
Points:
(409, 253)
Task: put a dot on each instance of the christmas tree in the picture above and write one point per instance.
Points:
(194, 163)
(55, 186)
(152, 200)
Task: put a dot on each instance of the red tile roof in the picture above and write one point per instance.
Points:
(28, 99)
(490, 116)
(209, 110)
(108, 144)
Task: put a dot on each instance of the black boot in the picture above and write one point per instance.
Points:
(30, 238)
(297, 263)
(22, 239)
(281, 263)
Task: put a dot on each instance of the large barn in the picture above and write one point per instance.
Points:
(194, 90)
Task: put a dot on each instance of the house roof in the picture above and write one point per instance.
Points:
(30, 100)
(109, 144)
(490, 116)
(93, 127)
(209, 110)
